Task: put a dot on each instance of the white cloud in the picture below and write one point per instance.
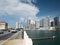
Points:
(17, 8)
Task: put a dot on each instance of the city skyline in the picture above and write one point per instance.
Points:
(43, 22)
(16, 11)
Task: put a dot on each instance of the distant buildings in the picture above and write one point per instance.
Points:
(42, 24)
(28, 24)
(17, 25)
(37, 24)
(3, 25)
(56, 21)
(32, 27)
(45, 23)
(52, 24)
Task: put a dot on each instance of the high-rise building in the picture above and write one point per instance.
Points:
(37, 24)
(45, 22)
(17, 25)
(28, 24)
(56, 21)
(52, 24)
(42, 23)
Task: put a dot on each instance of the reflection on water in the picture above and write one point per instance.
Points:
(44, 33)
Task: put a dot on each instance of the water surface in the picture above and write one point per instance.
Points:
(44, 33)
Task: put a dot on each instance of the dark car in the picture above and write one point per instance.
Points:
(8, 30)
(1, 32)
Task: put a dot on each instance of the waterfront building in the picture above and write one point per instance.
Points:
(45, 22)
(56, 21)
(52, 24)
(3, 25)
(41, 23)
(37, 24)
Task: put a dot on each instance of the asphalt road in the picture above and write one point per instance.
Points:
(5, 32)
(4, 37)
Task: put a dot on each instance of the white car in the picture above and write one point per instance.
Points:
(13, 31)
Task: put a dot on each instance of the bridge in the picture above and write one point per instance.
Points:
(17, 39)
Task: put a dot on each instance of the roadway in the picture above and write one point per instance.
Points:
(5, 32)
(5, 36)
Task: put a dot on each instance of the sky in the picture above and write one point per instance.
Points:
(48, 7)
(13, 11)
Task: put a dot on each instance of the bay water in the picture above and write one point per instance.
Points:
(36, 34)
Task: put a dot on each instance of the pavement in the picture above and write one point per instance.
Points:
(15, 42)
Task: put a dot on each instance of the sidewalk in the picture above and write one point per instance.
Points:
(15, 42)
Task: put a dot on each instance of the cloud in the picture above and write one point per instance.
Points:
(19, 9)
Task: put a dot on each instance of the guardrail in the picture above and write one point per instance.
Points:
(12, 37)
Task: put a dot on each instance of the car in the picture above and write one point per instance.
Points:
(1, 32)
(13, 31)
(8, 30)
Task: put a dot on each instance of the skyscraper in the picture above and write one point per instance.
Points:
(56, 21)
(45, 22)
(41, 22)
(37, 24)
(17, 25)
(52, 24)
(28, 24)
